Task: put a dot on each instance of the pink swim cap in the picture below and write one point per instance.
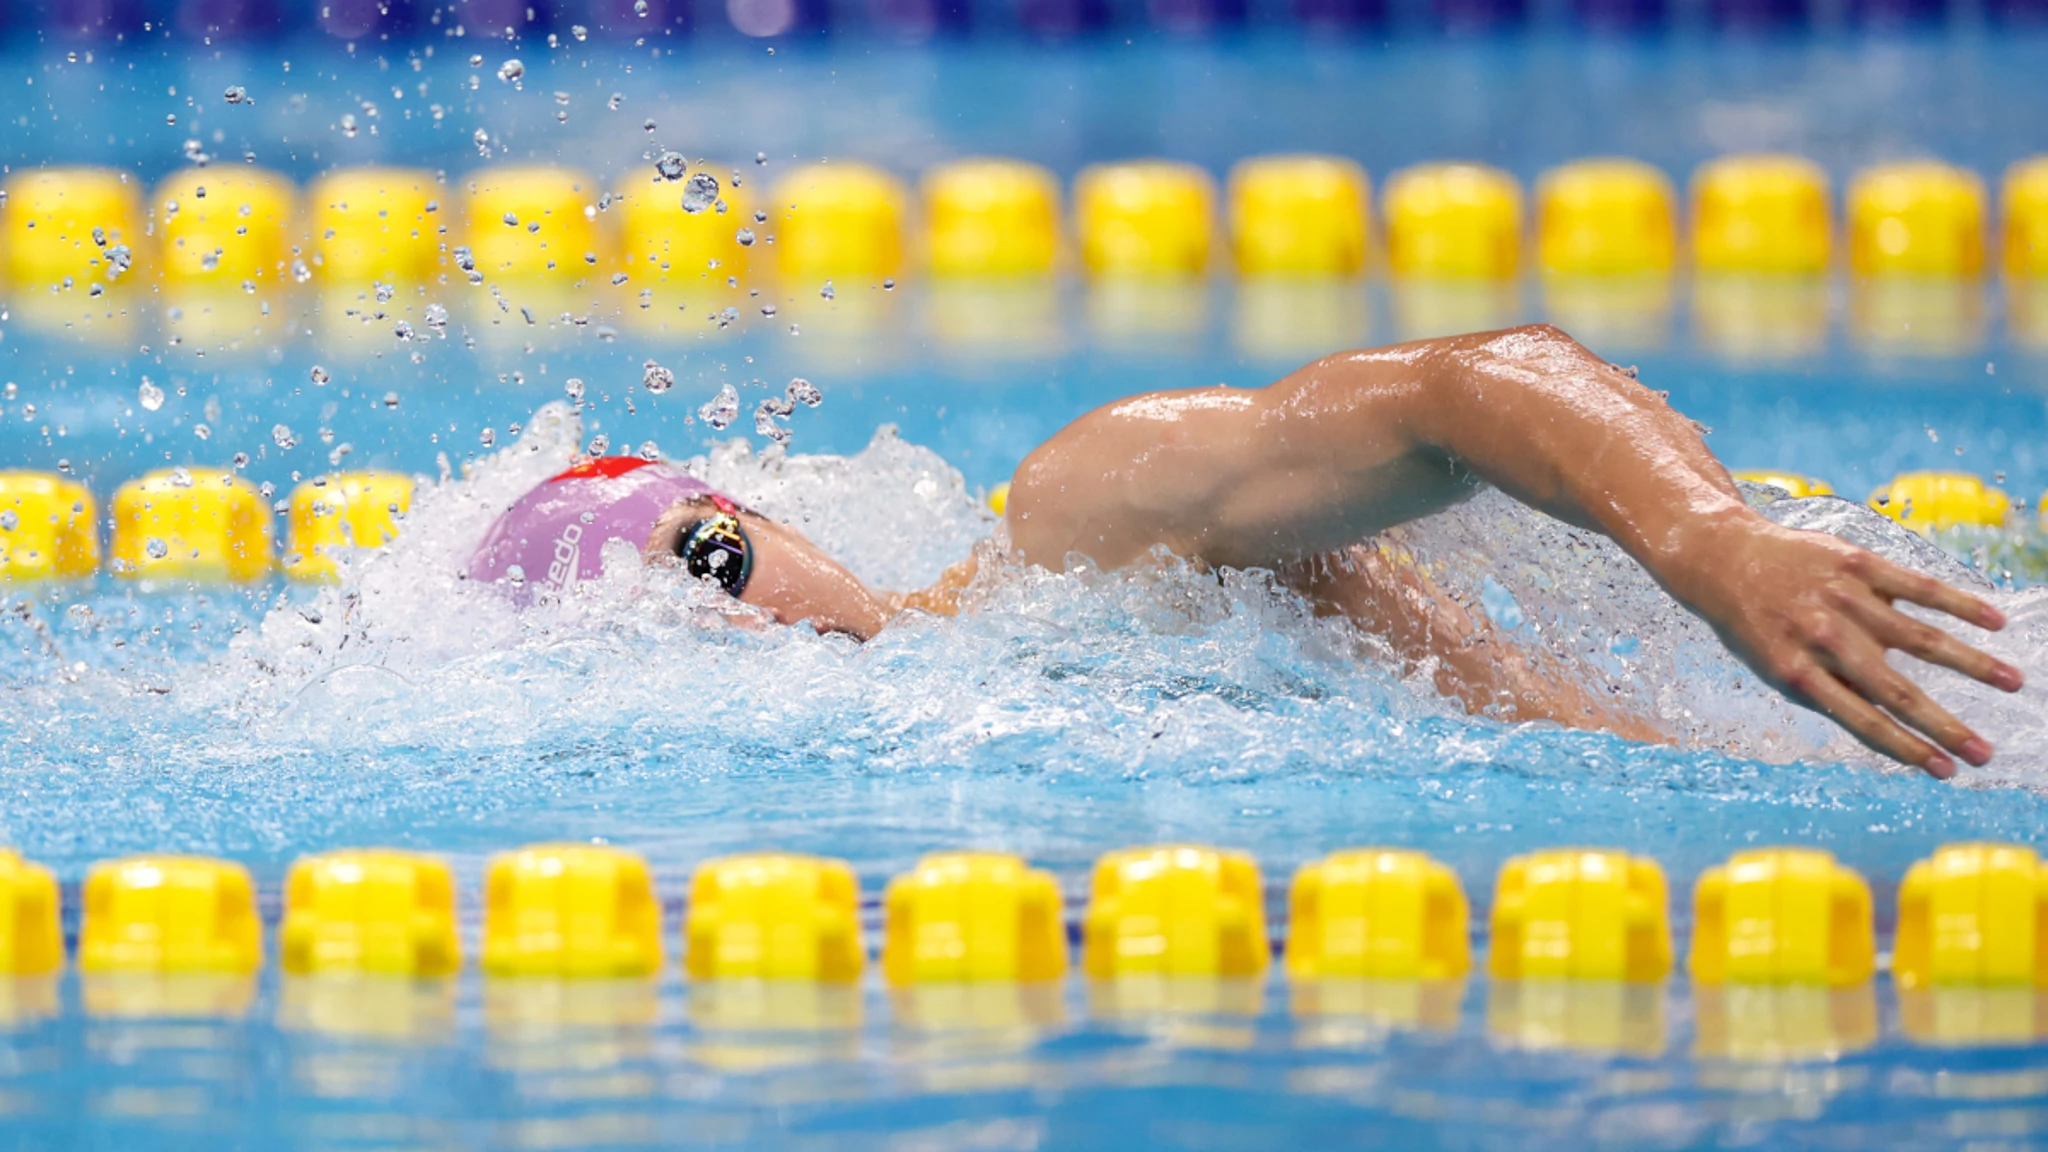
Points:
(555, 535)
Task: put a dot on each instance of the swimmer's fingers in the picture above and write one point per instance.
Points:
(1895, 583)
(1923, 641)
(1862, 665)
(1823, 690)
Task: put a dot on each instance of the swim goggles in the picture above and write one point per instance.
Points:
(718, 547)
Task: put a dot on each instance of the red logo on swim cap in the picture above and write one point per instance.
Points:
(605, 467)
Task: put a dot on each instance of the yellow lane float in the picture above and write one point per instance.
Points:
(191, 524)
(376, 911)
(49, 527)
(571, 910)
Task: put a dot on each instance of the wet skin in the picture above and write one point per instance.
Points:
(1307, 476)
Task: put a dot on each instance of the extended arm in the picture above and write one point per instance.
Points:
(1359, 442)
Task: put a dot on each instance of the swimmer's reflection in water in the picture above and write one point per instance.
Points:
(1309, 475)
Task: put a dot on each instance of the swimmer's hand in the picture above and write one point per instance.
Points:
(1814, 615)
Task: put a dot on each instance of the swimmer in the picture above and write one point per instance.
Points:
(1311, 477)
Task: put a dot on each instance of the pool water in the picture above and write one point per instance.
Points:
(1064, 717)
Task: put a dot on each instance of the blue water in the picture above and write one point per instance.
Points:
(1067, 716)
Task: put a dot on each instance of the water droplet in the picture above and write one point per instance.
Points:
(760, 157)
(573, 388)
(670, 166)
(618, 278)
(391, 399)
(119, 260)
(156, 548)
(647, 125)
(348, 125)
(511, 220)
(700, 192)
(319, 375)
(766, 415)
(745, 236)
(9, 520)
(826, 291)
(236, 94)
(617, 99)
(483, 142)
(804, 392)
(282, 437)
(721, 410)
(888, 284)
(487, 437)
(579, 32)
(599, 444)
(511, 71)
(150, 396)
(99, 236)
(437, 317)
(202, 431)
(301, 271)
(767, 309)
(655, 378)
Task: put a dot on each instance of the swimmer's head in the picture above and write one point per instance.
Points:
(555, 535)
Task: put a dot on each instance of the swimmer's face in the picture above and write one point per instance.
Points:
(792, 578)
